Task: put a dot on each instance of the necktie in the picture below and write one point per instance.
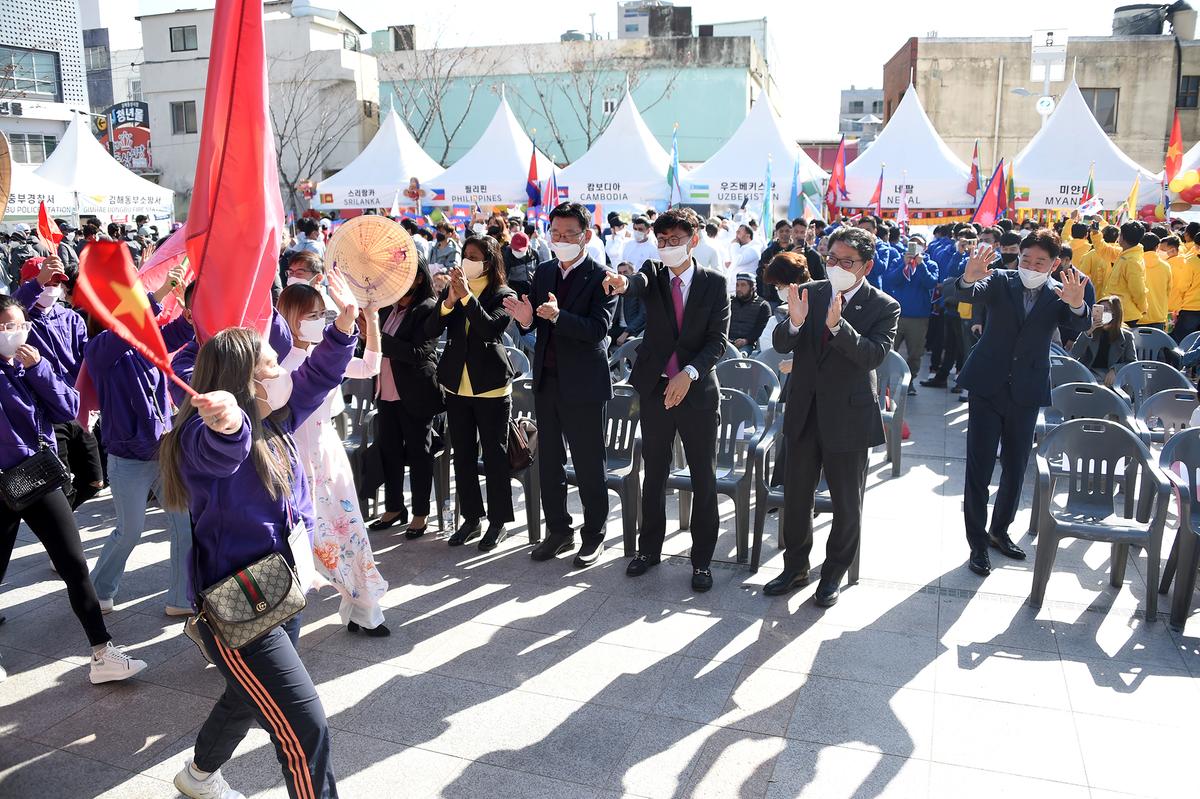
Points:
(1031, 296)
(910, 268)
(677, 296)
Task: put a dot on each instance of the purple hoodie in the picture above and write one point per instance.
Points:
(31, 401)
(58, 333)
(234, 519)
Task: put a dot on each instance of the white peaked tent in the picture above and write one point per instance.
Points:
(1191, 159)
(384, 167)
(493, 172)
(1053, 168)
(103, 187)
(29, 191)
(910, 152)
(625, 166)
(737, 171)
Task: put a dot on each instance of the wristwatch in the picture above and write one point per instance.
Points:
(692, 373)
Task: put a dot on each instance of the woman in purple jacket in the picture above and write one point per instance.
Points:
(230, 460)
(32, 399)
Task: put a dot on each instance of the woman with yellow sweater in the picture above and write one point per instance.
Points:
(477, 376)
(1127, 278)
(1184, 301)
(1158, 284)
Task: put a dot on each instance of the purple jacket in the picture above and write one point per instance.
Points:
(58, 333)
(184, 362)
(132, 392)
(234, 519)
(31, 401)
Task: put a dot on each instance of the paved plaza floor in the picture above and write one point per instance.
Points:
(509, 678)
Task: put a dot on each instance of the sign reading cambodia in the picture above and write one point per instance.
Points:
(127, 135)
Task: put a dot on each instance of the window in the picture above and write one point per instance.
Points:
(96, 58)
(31, 148)
(631, 27)
(610, 105)
(183, 117)
(856, 106)
(29, 74)
(877, 107)
(350, 41)
(135, 89)
(183, 38)
(1103, 103)
(1189, 92)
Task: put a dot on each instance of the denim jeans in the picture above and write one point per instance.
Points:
(131, 482)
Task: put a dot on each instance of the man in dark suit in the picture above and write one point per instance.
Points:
(687, 321)
(831, 419)
(1008, 376)
(571, 381)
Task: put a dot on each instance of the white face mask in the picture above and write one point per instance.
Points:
(640, 235)
(1106, 318)
(49, 296)
(10, 342)
(305, 281)
(472, 269)
(479, 230)
(521, 252)
(278, 389)
(312, 331)
(782, 293)
(841, 279)
(564, 252)
(1031, 278)
(673, 256)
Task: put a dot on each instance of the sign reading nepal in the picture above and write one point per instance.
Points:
(477, 192)
(610, 191)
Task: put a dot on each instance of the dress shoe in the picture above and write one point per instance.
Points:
(912, 390)
(933, 383)
(956, 390)
(786, 583)
(1004, 544)
(495, 534)
(414, 533)
(589, 553)
(640, 565)
(383, 524)
(552, 546)
(980, 563)
(469, 530)
(379, 631)
(827, 592)
(701, 580)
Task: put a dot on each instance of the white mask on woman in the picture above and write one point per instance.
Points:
(312, 331)
(472, 269)
(278, 389)
(10, 342)
(49, 296)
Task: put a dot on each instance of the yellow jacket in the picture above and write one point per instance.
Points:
(1110, 252)
(1158, 289)
(1185, 284)
(1127, 280)
(1092, 264)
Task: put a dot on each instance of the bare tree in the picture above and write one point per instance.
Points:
(311, 116)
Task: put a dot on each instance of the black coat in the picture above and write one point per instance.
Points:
(479, 347)
(412, 353)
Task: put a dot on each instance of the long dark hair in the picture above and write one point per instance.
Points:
(422, 285)
(226, 362)
(493, 264)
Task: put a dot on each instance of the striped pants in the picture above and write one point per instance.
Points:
(266, 682)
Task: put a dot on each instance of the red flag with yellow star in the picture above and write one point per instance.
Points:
(48, 230)
(1174, 150)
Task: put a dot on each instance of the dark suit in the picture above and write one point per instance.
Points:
(406, 425)
(1008, 377)
(570, 395)
(831, 417)
(699, 342)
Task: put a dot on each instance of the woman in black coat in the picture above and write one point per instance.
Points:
(477, 377)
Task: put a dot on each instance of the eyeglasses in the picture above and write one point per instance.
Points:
(563, 238)
(675, 241)
(844, 263)
(16, 327)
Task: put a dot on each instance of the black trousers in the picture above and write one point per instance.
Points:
(1185, 322)
(266, 682)
(475, 424)
(846, 474)
(934, 343)
(697, 427)
(991, 421)
(952, 345)
(80, 452)
(405, 439)
(51, 520)
(580, 426)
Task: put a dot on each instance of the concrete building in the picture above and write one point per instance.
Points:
(860, 113)
(42, 78)
(981, 89)
(113, 76)
(324, 92)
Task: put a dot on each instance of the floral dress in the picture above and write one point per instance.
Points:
(341, 549)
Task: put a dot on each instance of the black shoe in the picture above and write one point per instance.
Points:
(640, 565)
(827, 592)
(380, 524)
(786, 583)
(956, 390)
(701, 580)
(589, 553)
(1005, 545)
(980, 563)
(933, 382)
(371, 632)
(495, 534)
(415, 532)
(469, 530)
(553, 546)
(912, 390)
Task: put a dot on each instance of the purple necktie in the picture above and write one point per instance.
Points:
(677, 296)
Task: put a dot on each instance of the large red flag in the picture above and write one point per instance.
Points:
(48, 230)
(973, 182)
(992, 202)
(236, 212)
(877, 197)
(1174, 150)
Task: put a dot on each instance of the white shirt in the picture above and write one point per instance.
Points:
(706, 255)
(595, 248)
(742, 258)
(423, 245)
(638, 252)
(614, 248)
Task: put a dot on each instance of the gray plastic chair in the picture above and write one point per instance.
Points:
(732, 353)
(622, 360)
(359, 416)
(1142, 379)
(1083, 401)
(773, 358)
(1184, 560)
(1090, 452)
(1189, 341)
(752, 377)
(894, 379)
(1165, 414)
(1153, 344)
(1065, 369)
(519, 361)
(623, 446)
(1057, 349)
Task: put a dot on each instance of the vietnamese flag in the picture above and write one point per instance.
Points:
(48, 230)
(992, 203)
(236, 214)
(1174, 150)
(877, 197)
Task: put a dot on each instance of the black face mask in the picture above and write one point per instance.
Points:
(1008, 257)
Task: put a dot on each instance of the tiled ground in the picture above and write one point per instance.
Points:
(508, 678)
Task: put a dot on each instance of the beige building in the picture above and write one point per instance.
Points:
(981, 89)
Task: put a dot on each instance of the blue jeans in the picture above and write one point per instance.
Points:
(131, 482)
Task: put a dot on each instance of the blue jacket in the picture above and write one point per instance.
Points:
(915, 294)
(885, 256)
(936, 246)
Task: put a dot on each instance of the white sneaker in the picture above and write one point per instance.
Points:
(175, 610)
(113, 664)
(212, 787)
(106, 606)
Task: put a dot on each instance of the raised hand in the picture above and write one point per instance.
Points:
(520, 310)
(219, 410)
(1072, 291)
(27, 355)
(458, 284)
(797, 305)
(977, 263)
(342, 297)
(834, 317)
(52, 271)
(549, 308)
(615, 284)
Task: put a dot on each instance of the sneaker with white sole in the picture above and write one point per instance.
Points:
(213, 786)
(106, 606)
(112, 664)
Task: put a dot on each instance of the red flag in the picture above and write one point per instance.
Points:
(973, 182)
(1174, 150)
(109, 290)
(48, 230)
(532, 190)
(993, 201)
(236, 212)
(877, 197)
(837, 181)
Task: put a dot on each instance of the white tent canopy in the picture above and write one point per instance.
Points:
(384, 168)
(29, 191)
(80, 164)
(625, 166)
(910, 153)
(493, 172)
(1053, 168)
(1191, 159)
(737, 171)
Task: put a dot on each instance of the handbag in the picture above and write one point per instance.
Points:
(522, 444)
(40, 474)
